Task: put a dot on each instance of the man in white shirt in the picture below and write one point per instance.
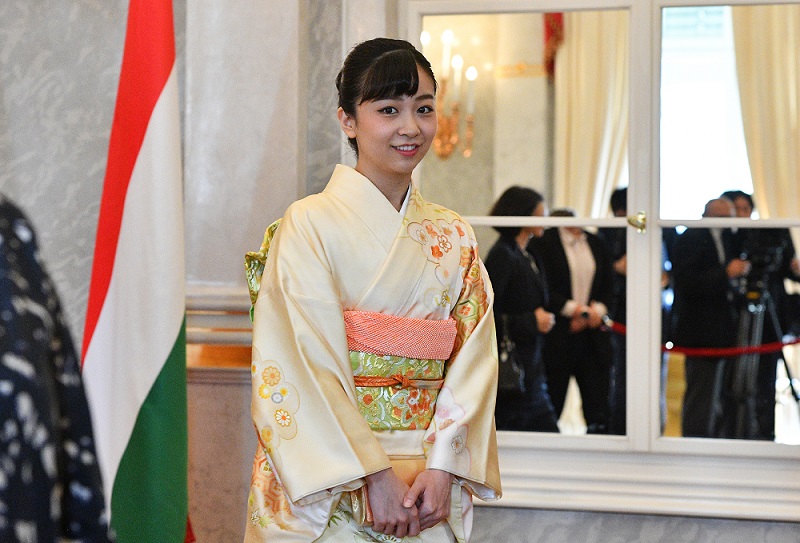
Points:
(579, 270)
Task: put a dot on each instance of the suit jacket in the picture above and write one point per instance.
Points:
(559, 278)
(616, 241)
(518, 288)
(703, 313)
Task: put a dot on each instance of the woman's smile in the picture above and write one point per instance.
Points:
(407, 150)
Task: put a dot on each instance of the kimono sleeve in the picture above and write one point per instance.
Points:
(462, 437)
(303, 398)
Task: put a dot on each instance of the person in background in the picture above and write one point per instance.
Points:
(772, 255)
(374, 363)
(704, 271)
(579, 273)
(50, 485)
(616, 241)
(520, 289)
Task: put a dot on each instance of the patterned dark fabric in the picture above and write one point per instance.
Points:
(50, 488)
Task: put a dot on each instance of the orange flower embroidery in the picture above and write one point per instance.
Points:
(436, 252)
(444, 243)
(278, 403)
(271, 375)
(466, 257)
(283, 417)
(419, 401)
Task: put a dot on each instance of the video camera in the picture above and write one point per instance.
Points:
(763, 248)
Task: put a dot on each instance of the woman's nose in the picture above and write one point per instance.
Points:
(409, 127)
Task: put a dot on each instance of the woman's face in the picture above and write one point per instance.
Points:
(539, 211)
(393, 134)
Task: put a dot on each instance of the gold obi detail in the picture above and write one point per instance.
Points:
(396, 393)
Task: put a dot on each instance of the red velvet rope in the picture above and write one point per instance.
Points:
(710, 352)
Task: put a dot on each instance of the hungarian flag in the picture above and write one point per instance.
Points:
(134, 347)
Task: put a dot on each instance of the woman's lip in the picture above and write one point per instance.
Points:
(407, 150)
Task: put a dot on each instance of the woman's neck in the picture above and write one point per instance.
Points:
(523, 238)
(395, 195)
(395, 189)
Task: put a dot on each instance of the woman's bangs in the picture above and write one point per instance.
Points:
(394, 74)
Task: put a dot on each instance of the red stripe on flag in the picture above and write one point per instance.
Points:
(147, 61)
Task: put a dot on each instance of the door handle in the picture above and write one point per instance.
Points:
(638, 221)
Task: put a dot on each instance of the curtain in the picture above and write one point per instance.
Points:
(591, 111)
(767, 45)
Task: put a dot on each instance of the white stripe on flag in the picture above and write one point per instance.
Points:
(144, 307)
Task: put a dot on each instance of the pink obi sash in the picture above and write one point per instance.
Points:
(381, 334)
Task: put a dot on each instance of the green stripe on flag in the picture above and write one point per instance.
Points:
(149, 502)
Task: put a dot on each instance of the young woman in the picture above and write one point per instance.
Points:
(374, 367)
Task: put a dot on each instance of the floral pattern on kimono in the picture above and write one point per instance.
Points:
(283, 401)
(396, 407)
(423, 265)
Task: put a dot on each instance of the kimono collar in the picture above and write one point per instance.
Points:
(366, 200)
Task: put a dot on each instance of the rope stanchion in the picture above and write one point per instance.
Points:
(708, 352)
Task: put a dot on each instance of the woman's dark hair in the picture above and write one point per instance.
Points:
(619, 200)
(516, 201)
(377, 69)
(732, 195)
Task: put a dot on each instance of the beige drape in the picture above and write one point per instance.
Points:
(591, 111)
(767, 43)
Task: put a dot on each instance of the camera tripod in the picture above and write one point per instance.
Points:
(743, 390)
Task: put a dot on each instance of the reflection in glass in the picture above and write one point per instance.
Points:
(546, 108)
(523, 317)
(728, 320)
(603, 347)
(702, 140)
(559, 128)
(725, 101)
(729, 107)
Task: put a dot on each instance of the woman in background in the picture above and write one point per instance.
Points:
(520, 289)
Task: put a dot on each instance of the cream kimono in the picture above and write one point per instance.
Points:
(347, 249)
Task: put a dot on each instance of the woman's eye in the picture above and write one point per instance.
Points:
(388, 110)
(426, 109)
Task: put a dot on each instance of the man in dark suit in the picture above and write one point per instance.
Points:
(616, 241)
(579, 271)
(704, 315)
(772, 254)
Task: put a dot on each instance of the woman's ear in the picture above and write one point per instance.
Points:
(347, 123)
